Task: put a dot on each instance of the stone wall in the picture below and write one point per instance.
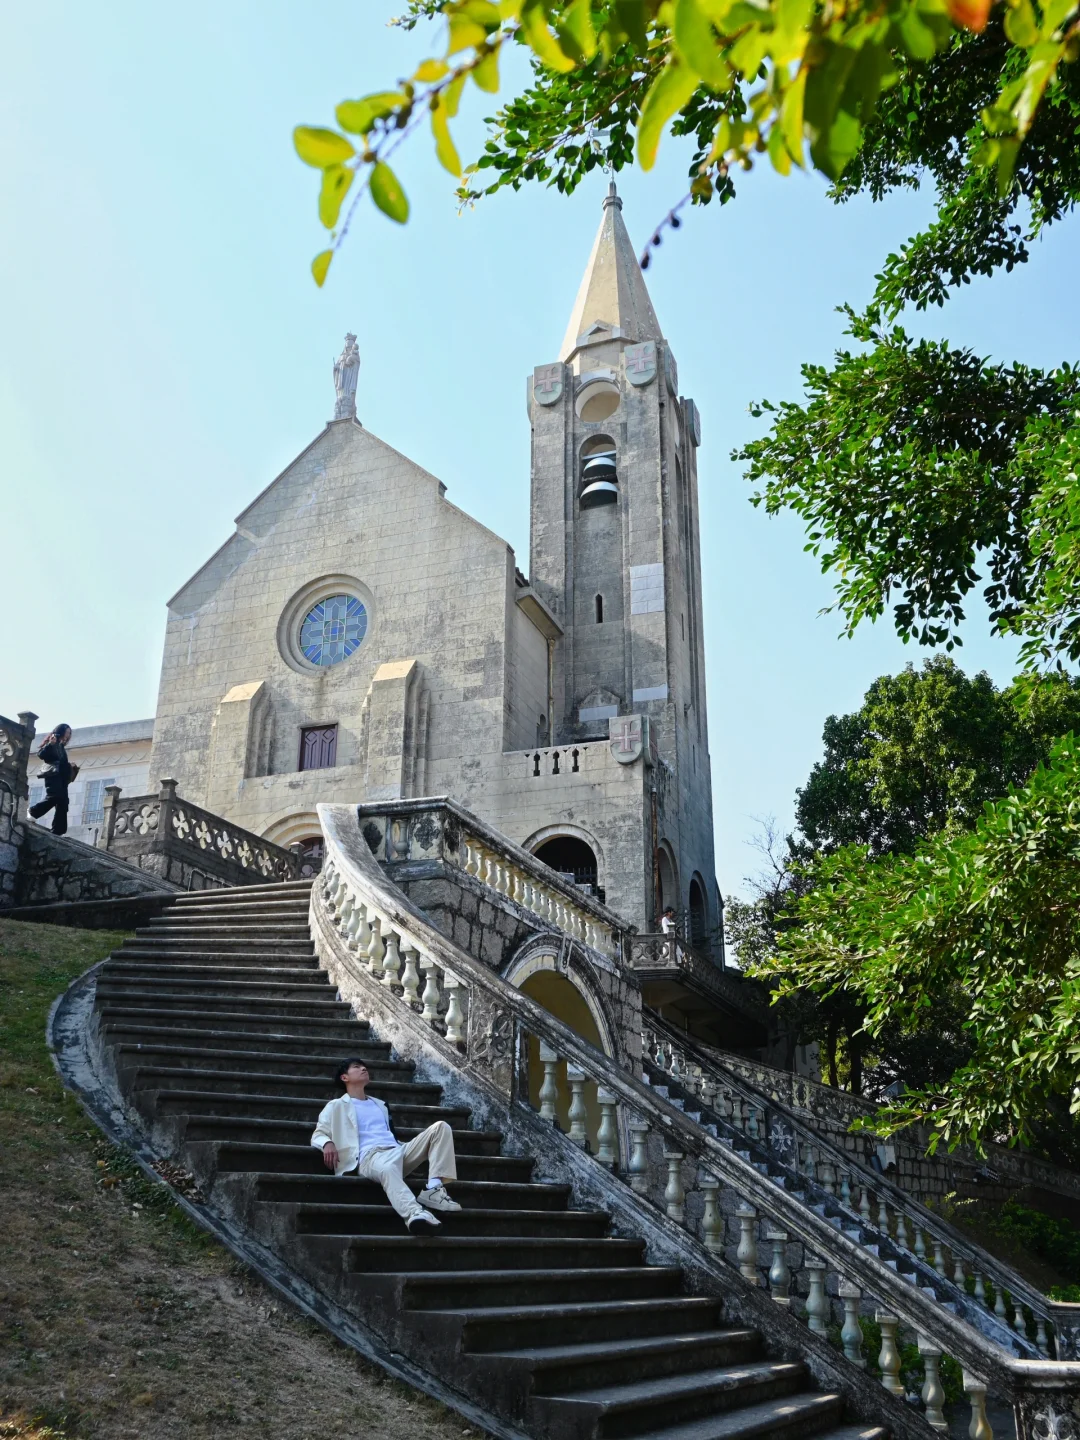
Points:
(16, 743)
(55, 868)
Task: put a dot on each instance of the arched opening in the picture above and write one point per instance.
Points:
(699, 915)
(596, 400)
(570, 857)
(599, 477)
(561, 998)
(599, 609)
(667, 882)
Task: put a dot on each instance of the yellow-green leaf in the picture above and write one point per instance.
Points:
(545, 47)
(428, 71)
(697, 44)
(387, 193)
(320, 265)
(791, 116)
(575, 27)
(358, 116)
(464, 33)
(336, 180)
(451, 96)
(444, 146)
(778, 151)
(792, 32)
(667, 95)
(486, 73)
(320, 148)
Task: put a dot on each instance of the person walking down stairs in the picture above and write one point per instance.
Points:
(353, 1132)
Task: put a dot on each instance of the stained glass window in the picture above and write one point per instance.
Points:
(333, 629)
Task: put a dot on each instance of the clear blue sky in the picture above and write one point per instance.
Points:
(164, 352)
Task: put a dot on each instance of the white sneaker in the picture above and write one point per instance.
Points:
(420, 1222)
(436, 1198)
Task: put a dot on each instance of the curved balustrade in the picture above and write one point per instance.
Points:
(931, 1252)
(815, 1244)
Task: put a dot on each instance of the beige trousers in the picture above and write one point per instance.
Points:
(390, 1166)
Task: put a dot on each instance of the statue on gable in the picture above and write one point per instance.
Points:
(346, 372)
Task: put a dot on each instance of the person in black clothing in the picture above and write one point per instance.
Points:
(57, 778)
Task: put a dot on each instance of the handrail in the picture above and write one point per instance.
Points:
(474, 1016)
(836, 1178)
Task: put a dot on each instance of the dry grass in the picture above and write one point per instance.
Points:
(118, 1319)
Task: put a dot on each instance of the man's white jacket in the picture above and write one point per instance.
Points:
(338, 1123)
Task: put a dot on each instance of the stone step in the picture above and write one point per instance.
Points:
(509, 1327)
(302, 1161)
(228, 941)
(395, 1254)
(319, 1089)
(633, 1407)
(233, 894)
(211, 1058)
(297, 1132)
(241, 910)
(558, 1369)
(337, 1034)
(380, 1219)
(270, 1008)
(137, 979)
(342, 1190)
(514, 1289)
(166, 927)
(234, 1105)
(791, 1418)
(239, 961)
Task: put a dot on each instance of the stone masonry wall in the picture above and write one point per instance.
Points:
(56, 868)
(16, 742)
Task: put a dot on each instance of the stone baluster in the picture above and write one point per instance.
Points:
(809, 1162)
(410, 977)
(980, 1288)
(980, 1427)
(491, 867)
(549, 1087)
(362, 931)
(933, 1392)
(827, 1177)
(736, 1112)
(901, 1230)
(712, 1222)
(959, 1276)
(1041, 1339)
(920, 1242)
(1019, 1319)
(1000, 1308)
(674, 1193)
(349, 931)
(708, 1091)
(376, 949)
(817, 1302)
(746, 1254)
(638, 1168)
(883, 1214)
(575, 1077)
(431, 996)
(864, 1205)
(779, 1274)
(845, 1187)
(939, 1256)
(851, 1336)
(344, 919)
(455, 1011)
(392, 960)
(607, 1135)
(889, 1358)
(753, 1129)
(334, 889)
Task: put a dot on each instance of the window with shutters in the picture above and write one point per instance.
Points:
(318, 747)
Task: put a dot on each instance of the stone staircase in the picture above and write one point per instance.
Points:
(223, 1034)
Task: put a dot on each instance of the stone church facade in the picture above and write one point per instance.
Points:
(359, 638)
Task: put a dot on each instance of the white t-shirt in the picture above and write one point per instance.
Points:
(375, 1133)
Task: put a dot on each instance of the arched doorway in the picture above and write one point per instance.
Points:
(667, 882)
(699, 915)
(572, 857)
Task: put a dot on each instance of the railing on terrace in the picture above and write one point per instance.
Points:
(711, 1175)
(182, 841)
(657, 956)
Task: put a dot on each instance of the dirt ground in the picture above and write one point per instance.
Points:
(119, 1320)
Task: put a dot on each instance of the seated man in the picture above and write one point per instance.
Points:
(354, 1134)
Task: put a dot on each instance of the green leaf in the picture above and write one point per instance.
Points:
(444, 146)
(486, 73)
(576, 31)
(451, 96)
(359, 116)
(534, 27)
(428, 71)
(336, 180)
(1021, 26)
(697, 43)
(320, 265)
(632, 16)
(320, 148)
(669, 92)
(791, 116)
(387, 193)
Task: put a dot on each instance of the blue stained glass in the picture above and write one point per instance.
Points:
(333, 629)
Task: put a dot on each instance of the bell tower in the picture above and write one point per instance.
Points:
(615, 555)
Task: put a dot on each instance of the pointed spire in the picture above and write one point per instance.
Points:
(613, 290)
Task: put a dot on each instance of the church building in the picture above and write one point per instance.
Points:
(360, 638)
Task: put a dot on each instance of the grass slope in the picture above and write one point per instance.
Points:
(120, 1319)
